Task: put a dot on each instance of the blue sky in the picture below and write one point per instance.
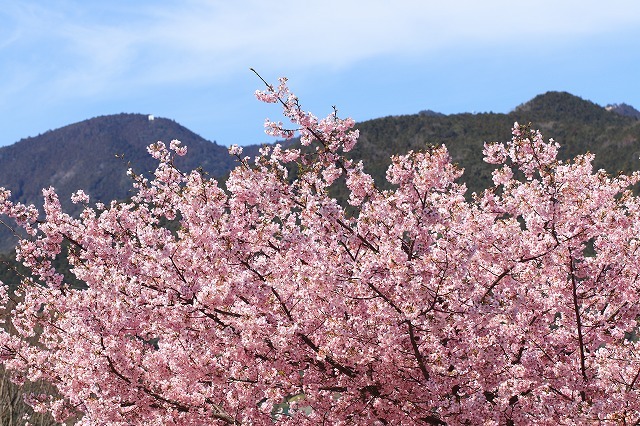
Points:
(63, 61)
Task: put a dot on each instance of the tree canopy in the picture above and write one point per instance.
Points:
(272, 302)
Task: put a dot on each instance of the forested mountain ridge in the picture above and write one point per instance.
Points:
(577, 125)
(94, 155)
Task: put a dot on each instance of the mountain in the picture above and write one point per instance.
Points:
(623, 109)
(562, 106)
(83, 155)
(577, 124)
(95, 154)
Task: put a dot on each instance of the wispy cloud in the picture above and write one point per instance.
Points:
(66, 60)
(84, 48)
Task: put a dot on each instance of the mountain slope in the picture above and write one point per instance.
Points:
(578, 125)
(624, 109)
(83, 155)
(95, 154)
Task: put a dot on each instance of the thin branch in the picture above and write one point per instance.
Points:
(348, 371)
(576, 308)
(416, 351)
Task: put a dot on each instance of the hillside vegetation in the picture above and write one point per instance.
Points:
(94, 155)
(577, 125)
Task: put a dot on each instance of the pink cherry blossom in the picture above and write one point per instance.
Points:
(265, 301)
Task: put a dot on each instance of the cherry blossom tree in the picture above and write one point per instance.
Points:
(268, 301)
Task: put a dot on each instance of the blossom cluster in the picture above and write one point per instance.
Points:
(267, 301)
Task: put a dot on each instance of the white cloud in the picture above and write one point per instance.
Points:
(86, 48)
